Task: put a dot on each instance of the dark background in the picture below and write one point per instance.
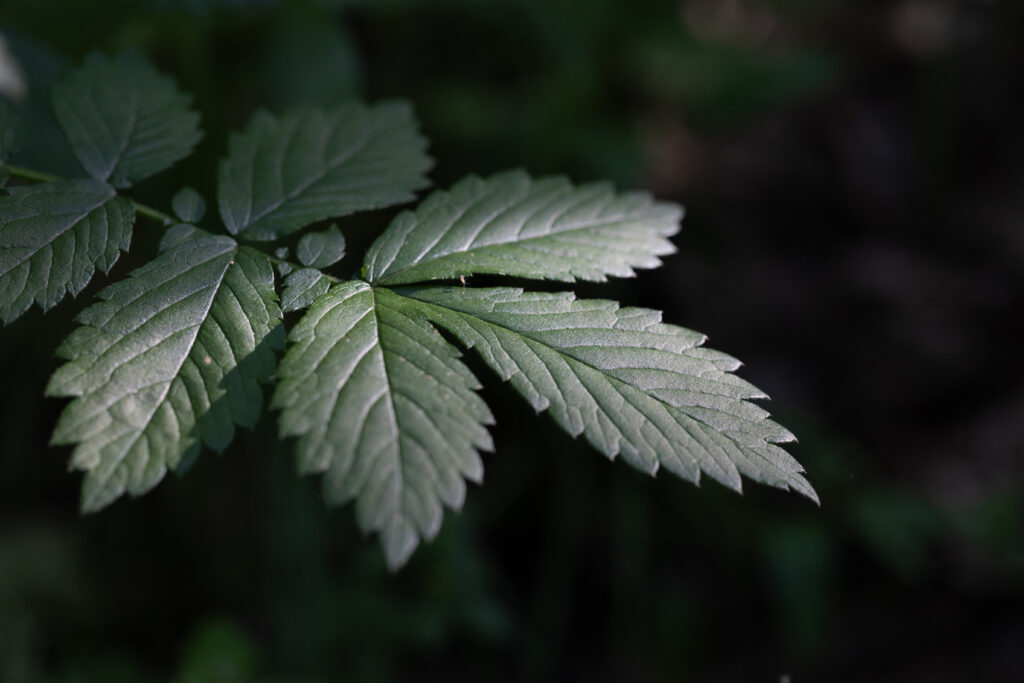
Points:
(853, 174)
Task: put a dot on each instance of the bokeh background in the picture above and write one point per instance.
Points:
(854, 177)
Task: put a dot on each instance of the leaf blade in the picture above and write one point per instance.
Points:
(302, 288)
(168, 360)
(321, 249)
(54, 236)
(188, 205)
(125, 121)
(284, 173)
(632, 385)
(382, 405)
(509, 224)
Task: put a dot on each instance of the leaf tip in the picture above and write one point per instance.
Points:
(800, 485)
(94, 500)
(398, 540)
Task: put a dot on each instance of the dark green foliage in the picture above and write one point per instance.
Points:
(189, 205)
(321, 249)
(283, 174)
(124, 121)
(170, 358)
(302, 287)
(54, 236)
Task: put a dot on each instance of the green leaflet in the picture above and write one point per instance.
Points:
(169, 358)
(629, 383)
(321, 249)
(285, 173)
(54, 236)
(123, 119)
(189, 205)
(383, 406)
(302, 288)
(509, 224)
(284, 267)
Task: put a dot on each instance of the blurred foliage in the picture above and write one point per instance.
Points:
(853, 172)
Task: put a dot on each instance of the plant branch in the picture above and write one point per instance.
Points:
(43, 177)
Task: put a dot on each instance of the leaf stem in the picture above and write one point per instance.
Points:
(43, 177)
(30, 174)
(150, 212)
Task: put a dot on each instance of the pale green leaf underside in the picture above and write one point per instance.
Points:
(385, 409)
(509, 224)
(632, 385)
(282, 174)
(124, 120)
(53, 237)
(169, 358)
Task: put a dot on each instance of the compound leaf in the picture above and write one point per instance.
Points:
(383, 406)
(509, 224)
(53, 237)
(632, 385)
(125, 121)
(170, 358)
(285, 173)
